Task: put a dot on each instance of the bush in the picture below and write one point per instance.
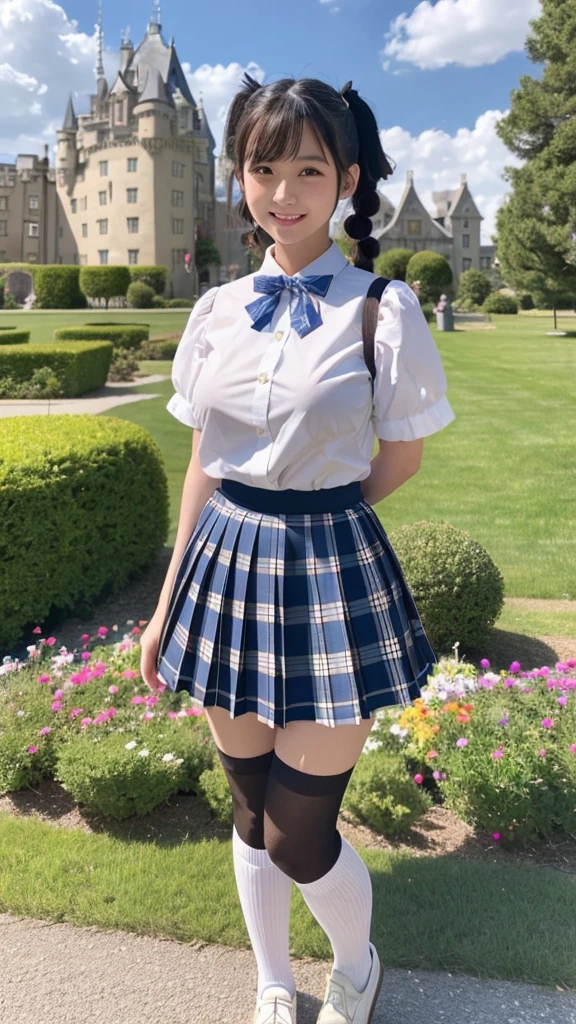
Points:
(44, 383)
(140, 295)
(58, 287)
(474, 287)
(11, 337)
(105, 282)
(457, 587)
(434, 273)
(127, 336)
(428, 310)
(159, 302)
(214, 788)
(393, 264)
(124, 365)
(10, 301)
(160, 348)
(154, 277)
(499, 303)
(1, 294)
(76, 367)
(527, 302)
(180, 303)
(382, 795)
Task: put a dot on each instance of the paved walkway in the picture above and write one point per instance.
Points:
(113, 393)
(65, 974)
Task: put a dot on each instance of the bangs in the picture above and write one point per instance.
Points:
(277, 132)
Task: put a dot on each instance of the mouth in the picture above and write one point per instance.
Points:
(287, 220)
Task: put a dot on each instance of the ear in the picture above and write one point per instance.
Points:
(350, 181)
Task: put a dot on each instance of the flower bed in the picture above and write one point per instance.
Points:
(497, 749)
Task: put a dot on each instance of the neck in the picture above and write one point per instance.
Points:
(293, 258)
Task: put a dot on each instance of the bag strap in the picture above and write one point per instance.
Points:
(370, 321)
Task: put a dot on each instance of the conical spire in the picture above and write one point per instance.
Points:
(155, 18)
(70, 119)
(100, 73)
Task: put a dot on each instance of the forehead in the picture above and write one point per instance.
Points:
(272, 147)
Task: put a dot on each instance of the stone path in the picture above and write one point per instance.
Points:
(102, 400)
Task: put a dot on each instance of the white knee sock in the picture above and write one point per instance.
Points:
(341, 902)
(265, 892)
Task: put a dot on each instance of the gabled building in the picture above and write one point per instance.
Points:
(135, 175)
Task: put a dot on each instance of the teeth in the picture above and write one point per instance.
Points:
(280, 217)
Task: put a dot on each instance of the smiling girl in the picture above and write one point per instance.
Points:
(285, 612)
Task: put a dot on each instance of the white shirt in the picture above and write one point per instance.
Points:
(279, 411)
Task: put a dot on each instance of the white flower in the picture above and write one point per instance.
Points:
(371, 745)
(131, 745)
(143, 753)
(179, 760)
(396, 729)
(20, 714)
(168, 757)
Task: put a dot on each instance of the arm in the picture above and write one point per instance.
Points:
(197, 489)
(394, 464)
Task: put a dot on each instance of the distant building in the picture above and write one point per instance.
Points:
(135, 175)
(453, 231)
(28, 210)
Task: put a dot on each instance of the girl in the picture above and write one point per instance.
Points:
(284, 611)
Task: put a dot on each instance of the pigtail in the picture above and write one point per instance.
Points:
(374, 165)
(255, 240)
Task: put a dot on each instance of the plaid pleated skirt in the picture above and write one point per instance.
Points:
(292, 605)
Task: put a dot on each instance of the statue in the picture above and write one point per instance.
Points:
(444, 314)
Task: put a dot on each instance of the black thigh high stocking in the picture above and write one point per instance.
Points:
(248, 779)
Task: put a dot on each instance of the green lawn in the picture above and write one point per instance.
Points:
(43, 325)
(435, 913)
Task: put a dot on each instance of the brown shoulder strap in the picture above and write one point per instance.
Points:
(370, 321)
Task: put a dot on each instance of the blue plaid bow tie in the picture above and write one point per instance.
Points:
(304, 317)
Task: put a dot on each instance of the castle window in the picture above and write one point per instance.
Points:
(73, 205)
(178, 169)
(177, 226)
(103, 227)
(177, 198)
(466, 263)
(84, 231)
(3, 227)
(414, 227)
(103, 166)
(33, 202)
(466, 224)
(177, 257)
(485, 262)
(84, 203)
(133, 257)
(103, 257)
(131, 195)
(3, 202)
(133, 225)
(465, 241)
(103, 198)
(33, 230)
(132, 164)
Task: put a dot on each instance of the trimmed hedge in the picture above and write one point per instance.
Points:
(499, 303)
(128, 336)
(434, 273)
(155, 277)
(58, 287)
(140, 295)
(84, 510)
(105, 282)
(11, 337)
(81, 366)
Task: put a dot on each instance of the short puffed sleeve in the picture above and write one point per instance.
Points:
(410, 384)
(188, 360)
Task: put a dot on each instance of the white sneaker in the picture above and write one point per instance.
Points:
(277, 1006)
(343, 1004)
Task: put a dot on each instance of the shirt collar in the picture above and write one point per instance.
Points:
(330, 262)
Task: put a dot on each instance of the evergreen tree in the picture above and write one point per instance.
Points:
(537, 225)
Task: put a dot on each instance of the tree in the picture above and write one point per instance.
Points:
(105, 282)
(537, 225)
(433, 272)
(474, 286)
(207, 253)
(393, 264)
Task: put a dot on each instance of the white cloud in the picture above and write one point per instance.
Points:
(439, 159)
(465, 32)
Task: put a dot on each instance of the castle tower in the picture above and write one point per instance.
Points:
(155, 108)
(66, 158)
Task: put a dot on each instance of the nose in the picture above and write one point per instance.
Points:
(282, 194)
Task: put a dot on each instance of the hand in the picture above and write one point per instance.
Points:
(149, 641)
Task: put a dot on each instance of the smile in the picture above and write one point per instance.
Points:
(288, 219)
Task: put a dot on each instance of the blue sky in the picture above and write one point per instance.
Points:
(437, 73)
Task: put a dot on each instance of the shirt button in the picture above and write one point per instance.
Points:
(262, 378)
(279, 335)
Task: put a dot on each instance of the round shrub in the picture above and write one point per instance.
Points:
(105, 282)
(434, 273)
(159, 348)
(11, 337)
(140, 295)
(393, 264)
(474, 287)
(180, 303)
(457, 587)
(526, 302)
(154, 277)
(382, 794)
(499, 303)
(159, 302)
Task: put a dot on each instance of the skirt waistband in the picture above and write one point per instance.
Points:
(292, 502)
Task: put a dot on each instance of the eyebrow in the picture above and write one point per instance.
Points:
(313, 156)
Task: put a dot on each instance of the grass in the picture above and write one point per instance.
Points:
(429, 913)
(43, 325)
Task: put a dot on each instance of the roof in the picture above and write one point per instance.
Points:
(70, 119)
(155, 53)
(410, 198)
(153, 88)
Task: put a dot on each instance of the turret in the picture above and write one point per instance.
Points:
(67, 149)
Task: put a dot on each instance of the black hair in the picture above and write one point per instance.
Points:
(265, 123)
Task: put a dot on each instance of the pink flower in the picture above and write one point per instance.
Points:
(563, 701)
(172, 714)
(547, 723)
(86, 721)
(462, 742)
(36, 629)
(129, 673)
(138, 699)
(32, 750)
(75, 712)
(542, 752)
(152, 699)
(113, 689)
(59, 694)
(561, 666)
(437, 775)
(45, 731)
(56, 705)
(195, 711)
(432, 753)
(503, 721)
(51, 641)
(44, 679)
(515, 666)
(571, 662)
(496, 754)
(85, 656)
(573, 748)
(148, 715)
(419, 779)
(496, 836)
(136, 630)
(85, 637)
(102, 631)
(485, 663)
(544, 671)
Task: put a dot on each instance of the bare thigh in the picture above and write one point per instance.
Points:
(321, 749)
(243, 736)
